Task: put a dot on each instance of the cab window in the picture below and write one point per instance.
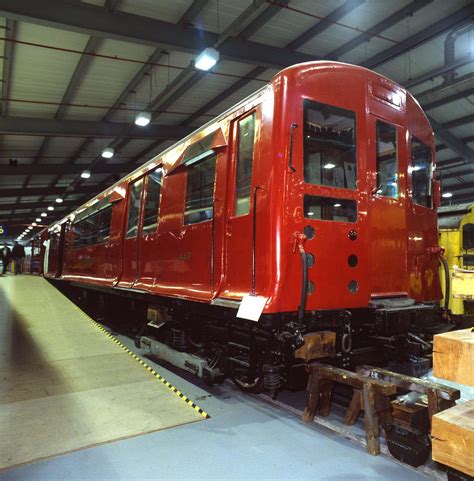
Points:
(329, 146)
(421, 172)
(246, 142)
(387, 159)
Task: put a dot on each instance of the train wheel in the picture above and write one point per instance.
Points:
(247, 385)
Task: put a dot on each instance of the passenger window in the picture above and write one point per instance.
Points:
(105, 219)
(328, 208)
(200, 190)
(134, 208)
(243, 182)
(421, 172)
(387, 159)
(329, 146)
(150, 219)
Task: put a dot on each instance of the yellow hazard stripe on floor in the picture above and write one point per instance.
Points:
(147, 367)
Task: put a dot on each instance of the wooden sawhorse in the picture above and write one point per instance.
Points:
(371, 394)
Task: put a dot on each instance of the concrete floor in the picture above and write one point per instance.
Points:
(245, 438)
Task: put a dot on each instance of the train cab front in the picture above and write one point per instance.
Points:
(361, 218)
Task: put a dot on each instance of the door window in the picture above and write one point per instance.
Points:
(329, 146)
(150, 218)
(246, 142)
(421, 172)
(105, 219)
(134, 208)
(199, 203)
(387, 159)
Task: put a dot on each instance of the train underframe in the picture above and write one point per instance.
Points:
(209, 340)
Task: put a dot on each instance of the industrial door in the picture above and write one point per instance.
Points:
(239, 231)
(387, 215)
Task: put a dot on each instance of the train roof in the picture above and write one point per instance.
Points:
(450, 216)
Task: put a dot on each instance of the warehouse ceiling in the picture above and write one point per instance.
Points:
(75, 74)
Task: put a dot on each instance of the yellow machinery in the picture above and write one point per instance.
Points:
(456, 235)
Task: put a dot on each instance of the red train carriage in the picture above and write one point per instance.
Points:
(313, 200)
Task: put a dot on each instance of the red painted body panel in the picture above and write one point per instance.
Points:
(394, 236)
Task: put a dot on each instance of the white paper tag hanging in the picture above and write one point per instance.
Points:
(251, 307)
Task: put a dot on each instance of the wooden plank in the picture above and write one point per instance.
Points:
(453, 356)
(410, 383)
(353, 379)
(66, 385)
(453, 437)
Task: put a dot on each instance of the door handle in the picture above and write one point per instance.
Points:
(228, 228)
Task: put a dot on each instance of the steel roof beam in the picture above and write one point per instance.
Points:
(60, 169)
(467, 119)
(325, 23)
(390, 21)
(87, 128)
(192, 12)
(460, 173)
(460, 84)
(455, 144)
(420, 37)
(466, 140)
(36, 205)
(333, 16)
(461, 94)
(189, 77)
(95, 21)
(436, 72)
(261, 20)
(459, 187)
(85, 189)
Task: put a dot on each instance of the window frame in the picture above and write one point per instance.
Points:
(139, 211)
(192, 162)
(237, 122)
(397, 155)
(411, 170)
(159, 170)
(77, 242)
(306, 105)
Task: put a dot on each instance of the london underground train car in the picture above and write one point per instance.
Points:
(299, 224)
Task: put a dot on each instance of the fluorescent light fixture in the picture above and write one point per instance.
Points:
(59, 200)
(337, 205)
(50, 207)
(447, 195)
(34, 224)
(43, 214)
(310, 213)
(86, 174)
(38, 219)
(143, 119)
(207, 59)
(108, 153)
(329, 165)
